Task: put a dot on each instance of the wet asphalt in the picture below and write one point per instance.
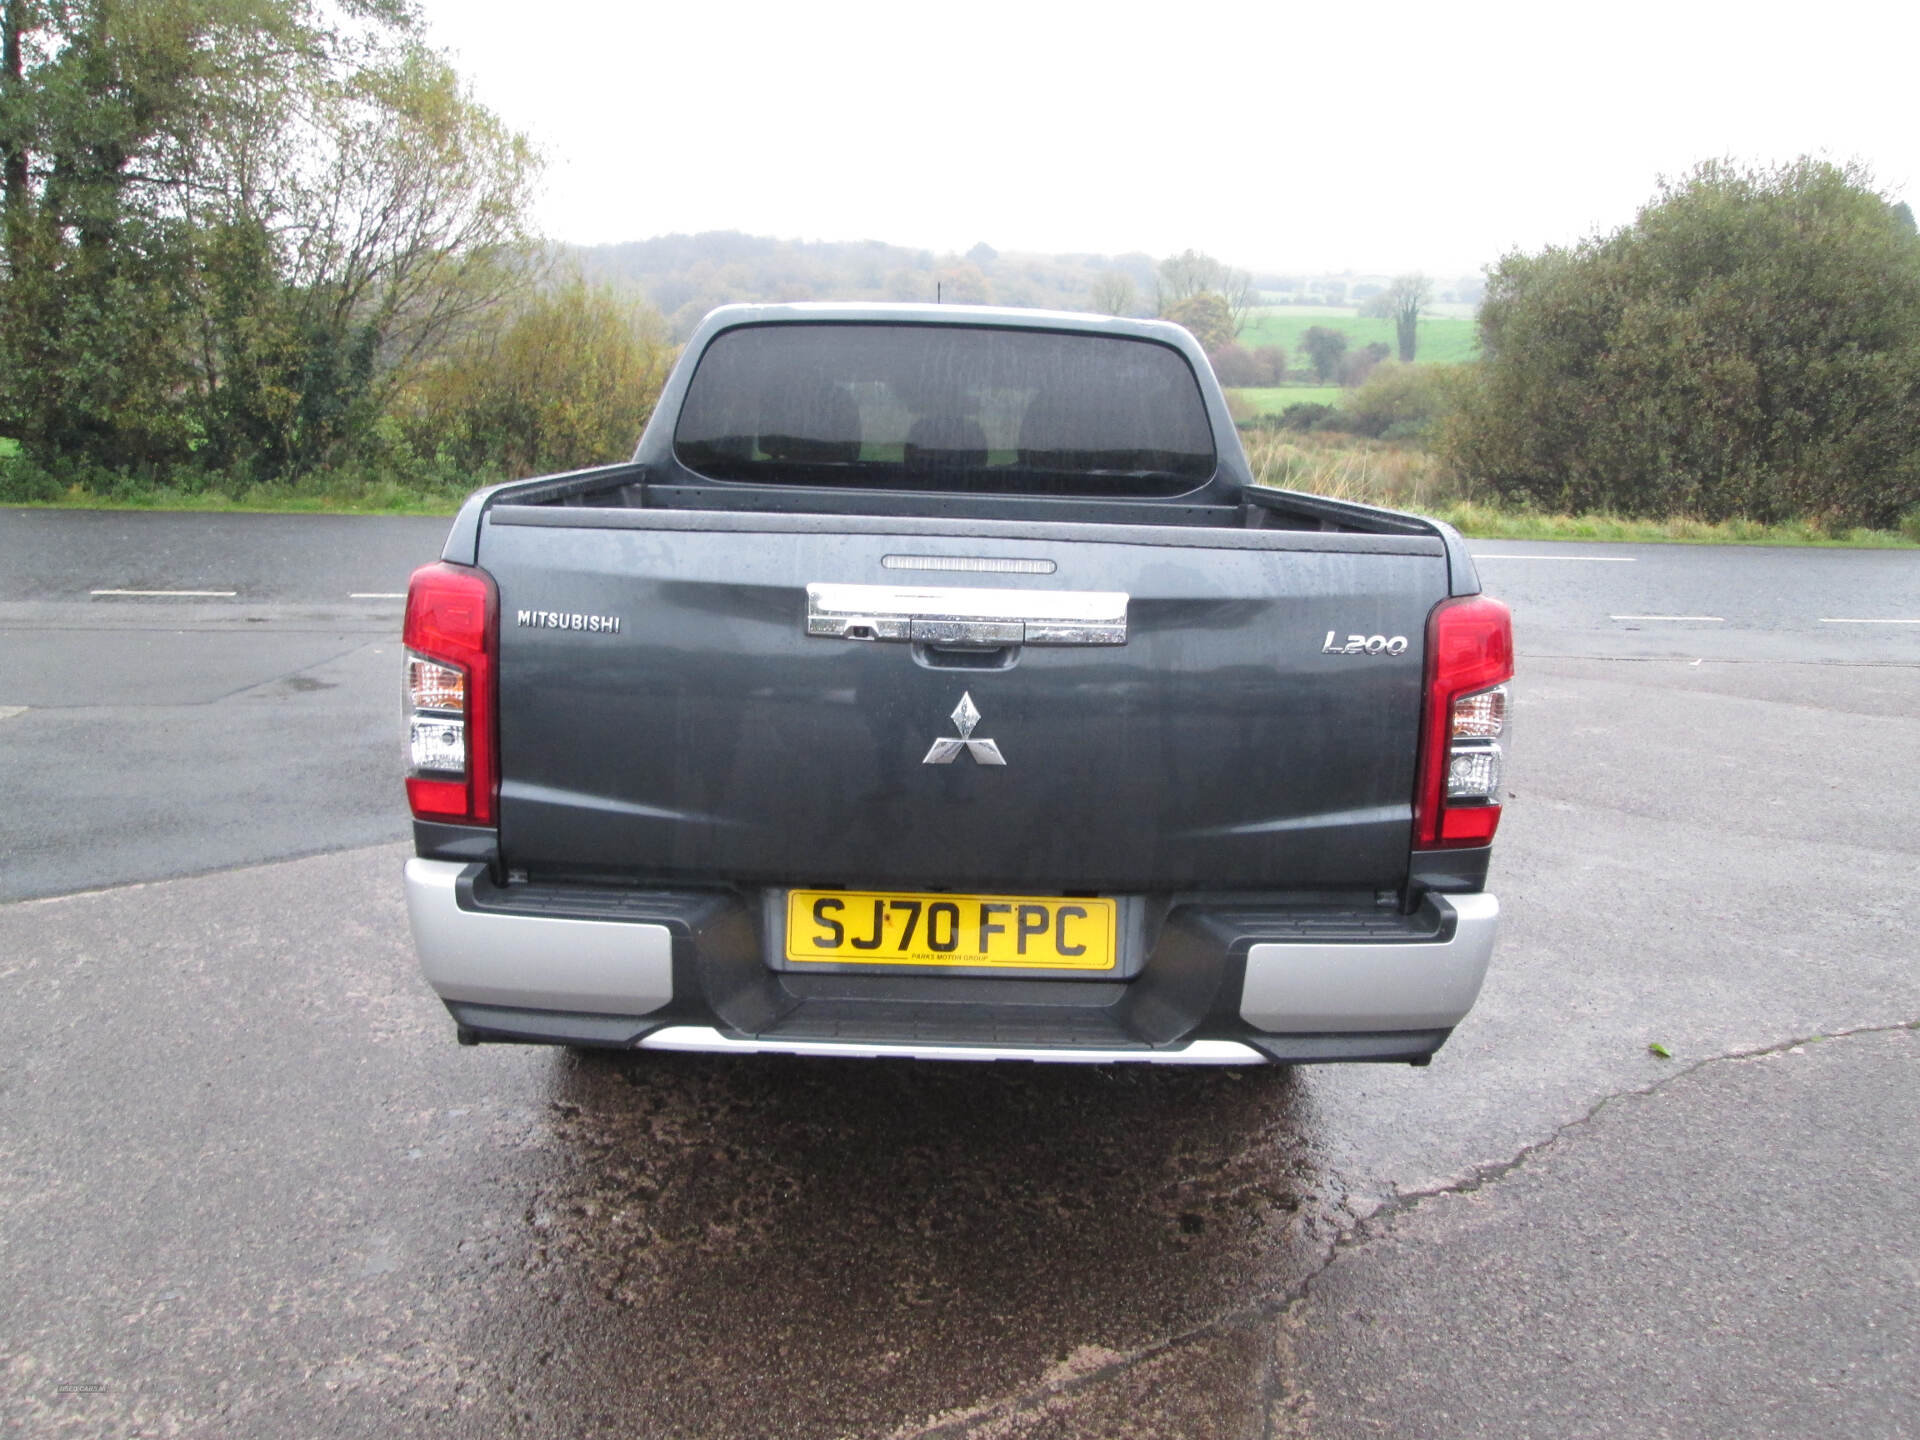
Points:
(251, 1186)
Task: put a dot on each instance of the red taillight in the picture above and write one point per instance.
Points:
(1469, 661)
(452, 614)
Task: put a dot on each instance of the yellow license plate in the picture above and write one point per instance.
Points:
(865, 927)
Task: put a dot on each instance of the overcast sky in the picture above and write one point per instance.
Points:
(1295, 138)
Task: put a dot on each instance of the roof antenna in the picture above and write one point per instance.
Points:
(936, 294)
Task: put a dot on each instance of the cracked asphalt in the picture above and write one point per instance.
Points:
(1760, 1277)
(250, 1186)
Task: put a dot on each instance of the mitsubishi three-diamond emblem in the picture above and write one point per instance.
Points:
(965, 717)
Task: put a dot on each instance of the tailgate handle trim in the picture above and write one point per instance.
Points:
(966, 615)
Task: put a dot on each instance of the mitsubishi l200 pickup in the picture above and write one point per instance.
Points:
(935, 681)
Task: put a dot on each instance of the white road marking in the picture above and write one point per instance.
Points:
(1826, 621)
(1713, 619)
(200, 594)
(1590, 559)
(378, 595)
(7, 712)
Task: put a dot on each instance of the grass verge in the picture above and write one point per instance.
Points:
(1377, 473)
(1483, 522)
(375, 498)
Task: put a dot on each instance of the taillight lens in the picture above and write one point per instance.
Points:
(452, 614)
(1464, 729)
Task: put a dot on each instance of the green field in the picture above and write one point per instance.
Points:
(1272, 399)
(1443, 338)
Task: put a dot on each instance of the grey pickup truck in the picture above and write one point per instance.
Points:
(935, 682)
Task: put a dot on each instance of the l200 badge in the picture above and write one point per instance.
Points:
(1364, 645)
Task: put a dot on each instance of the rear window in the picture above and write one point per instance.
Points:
(946, 407)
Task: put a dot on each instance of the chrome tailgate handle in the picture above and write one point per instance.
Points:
(967, 615)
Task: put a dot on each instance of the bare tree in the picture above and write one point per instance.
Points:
(1180, 277)
(1238, 290)
(402, 218)
(1194, 272)
(1113, 294)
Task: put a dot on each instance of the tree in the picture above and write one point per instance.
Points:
(1193, 272)
(1206, 315)
(14, 131)
(1324, 348)
(105, 114)
(1179, 277)
(1359, 364)
(1401, 302)
(568, 382)
(232, 226)
(1240, 293)
(1113, 294)
(1271, 361)
(1234, 365)
(1750, 345)
(962, 283)
(901, 284)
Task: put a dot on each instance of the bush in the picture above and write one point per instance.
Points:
(22, 482)
(1355, 369)
(1270, 363)
(1354, 469)
(567, 383)
(1403, 402)
(1206, 317)
(1748, 347)
(1234, 365)
(1307, 415)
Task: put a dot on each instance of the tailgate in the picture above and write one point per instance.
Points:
(714, 734)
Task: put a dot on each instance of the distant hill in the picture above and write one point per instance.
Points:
(684, 276)
(687, 275)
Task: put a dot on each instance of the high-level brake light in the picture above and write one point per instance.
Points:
(1469, 661)
(452, 619)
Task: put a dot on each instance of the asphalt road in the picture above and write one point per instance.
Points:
(171, 734)
(251, 1187)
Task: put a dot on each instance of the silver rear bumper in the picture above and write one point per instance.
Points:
(1367, 991)
(533, 962)
(1308, 988)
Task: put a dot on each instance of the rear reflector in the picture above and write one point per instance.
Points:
(452, 621)
(1469, 661)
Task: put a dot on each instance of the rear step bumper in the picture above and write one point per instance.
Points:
(705, 1039)
(671, 970)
